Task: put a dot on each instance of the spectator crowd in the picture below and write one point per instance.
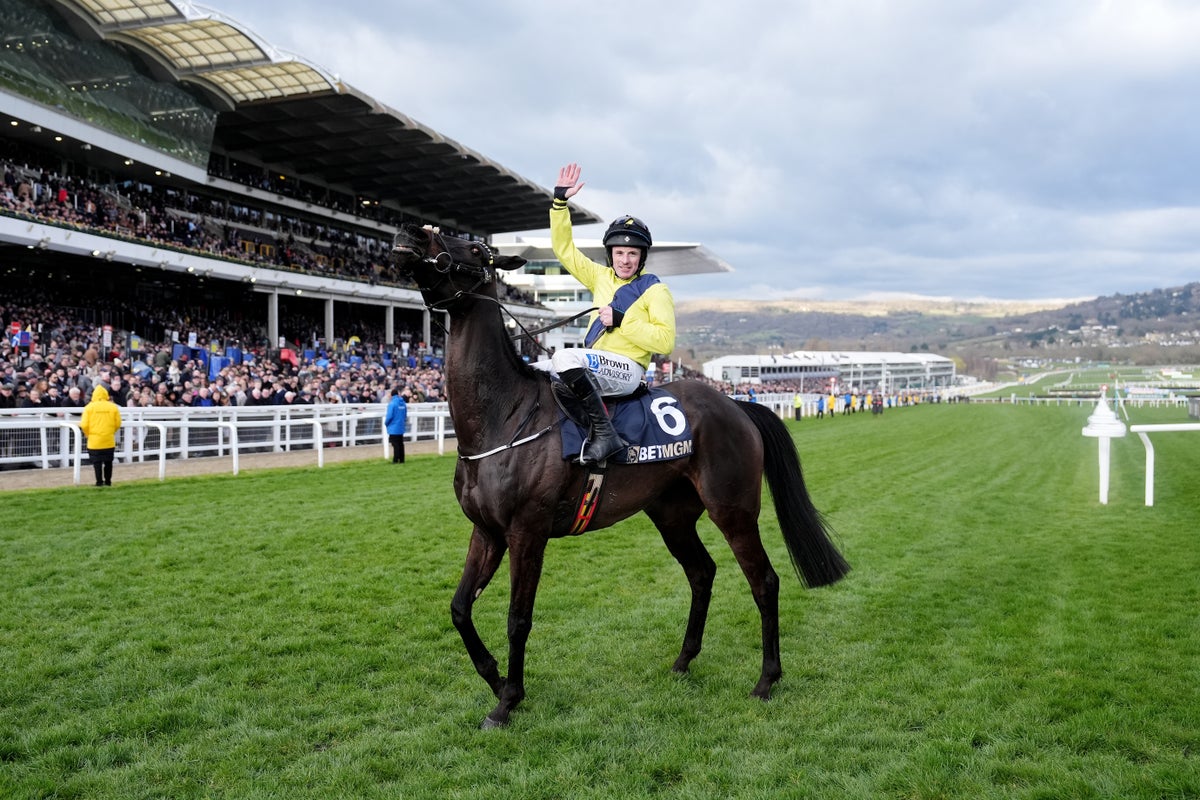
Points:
(66, 356)
(210, 226)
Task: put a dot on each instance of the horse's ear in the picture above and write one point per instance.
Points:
(508, 262)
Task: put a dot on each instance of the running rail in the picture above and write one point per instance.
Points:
(1141, 431)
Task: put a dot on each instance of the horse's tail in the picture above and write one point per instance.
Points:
(814, 556)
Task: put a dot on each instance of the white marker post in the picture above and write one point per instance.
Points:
(1104, 426)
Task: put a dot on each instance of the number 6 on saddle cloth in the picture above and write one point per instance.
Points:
(649, 419)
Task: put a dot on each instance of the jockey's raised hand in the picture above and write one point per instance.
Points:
(568, 184)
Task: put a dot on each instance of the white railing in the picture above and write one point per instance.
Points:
(784, 403)
(779, 402)
(1141, 431)
(1132, 402)
(51, 438)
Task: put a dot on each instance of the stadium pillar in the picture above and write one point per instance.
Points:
(273, 318)
(329, 321)
(389, 323)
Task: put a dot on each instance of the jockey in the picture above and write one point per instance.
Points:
(636, 318)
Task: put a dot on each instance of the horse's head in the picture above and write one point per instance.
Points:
(446, 266)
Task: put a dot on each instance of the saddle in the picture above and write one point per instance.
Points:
(650, 420)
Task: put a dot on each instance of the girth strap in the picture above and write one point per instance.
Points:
(589, 500)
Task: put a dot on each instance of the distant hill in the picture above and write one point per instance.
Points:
(1162, 326)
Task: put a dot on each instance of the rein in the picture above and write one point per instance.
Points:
(442, 305)
(445, 264)
(484, 274)
(558, 324)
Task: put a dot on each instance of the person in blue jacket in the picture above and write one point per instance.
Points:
(395, 420)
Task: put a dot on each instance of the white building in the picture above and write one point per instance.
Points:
(851, 371)
(544, 277)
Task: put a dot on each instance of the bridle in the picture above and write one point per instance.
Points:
(445, 266)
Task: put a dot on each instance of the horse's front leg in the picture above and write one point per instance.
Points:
(483, 558)
(525, 570)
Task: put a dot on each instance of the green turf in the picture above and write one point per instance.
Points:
(1064, 379)
(286, 634)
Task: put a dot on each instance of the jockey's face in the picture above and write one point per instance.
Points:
(626, 261)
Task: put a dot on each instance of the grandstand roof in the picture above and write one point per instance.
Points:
(668, 258)
(205, 46)
(284, 112)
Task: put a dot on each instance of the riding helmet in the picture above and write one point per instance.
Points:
(627, 231)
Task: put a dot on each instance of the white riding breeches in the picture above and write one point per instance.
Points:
(617, 375)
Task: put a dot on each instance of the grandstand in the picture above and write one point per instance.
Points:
(188, 158)
(816, 369)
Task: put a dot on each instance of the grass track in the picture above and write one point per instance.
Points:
(287, 634)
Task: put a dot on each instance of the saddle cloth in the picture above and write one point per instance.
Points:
(651, 420)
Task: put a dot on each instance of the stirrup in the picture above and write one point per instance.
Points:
(616, 445)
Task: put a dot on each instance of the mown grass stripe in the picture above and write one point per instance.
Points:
(287, 633)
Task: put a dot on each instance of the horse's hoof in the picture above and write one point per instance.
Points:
(762, 692)
(489, 723)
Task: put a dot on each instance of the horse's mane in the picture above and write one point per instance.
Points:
(524, 370)
(519, 365)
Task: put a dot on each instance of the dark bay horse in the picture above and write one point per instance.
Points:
(519, 492)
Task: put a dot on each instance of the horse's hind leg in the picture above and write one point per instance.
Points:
(675, 517)
(742, 535)
(483, 558)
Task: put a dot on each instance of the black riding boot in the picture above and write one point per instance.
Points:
(603, 440)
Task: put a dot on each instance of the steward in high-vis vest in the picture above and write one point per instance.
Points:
(100, 422)
(635, 318)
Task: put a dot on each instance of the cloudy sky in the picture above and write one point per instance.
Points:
(832, 149)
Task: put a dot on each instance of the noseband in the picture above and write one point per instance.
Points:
(447, 267)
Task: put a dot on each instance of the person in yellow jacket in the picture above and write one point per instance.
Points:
(635, 317)
(100, 422)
